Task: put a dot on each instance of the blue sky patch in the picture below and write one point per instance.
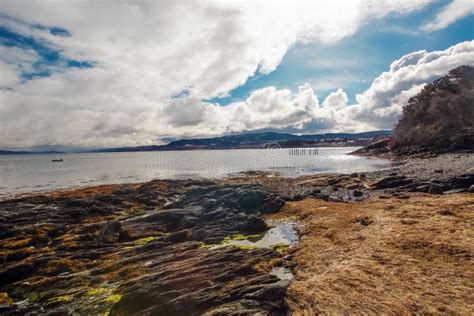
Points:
(50, 58)
(59, 31)
(354, 62)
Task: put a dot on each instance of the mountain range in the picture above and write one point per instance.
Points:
(259, 140)
(246, 140)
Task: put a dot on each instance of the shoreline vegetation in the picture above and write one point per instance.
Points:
(435, 121)
(397, 241)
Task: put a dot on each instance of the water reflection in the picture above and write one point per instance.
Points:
(282, 273)
(25, 173)
(282, 233)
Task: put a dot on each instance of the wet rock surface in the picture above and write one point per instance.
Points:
(138, 249)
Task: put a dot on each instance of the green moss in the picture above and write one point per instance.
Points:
(113, 298)
(60, 299)
(279, 248)
(32, 296)
(226, 244)
(247, 247)
(229, 241)
(98, 291)
(5, 299)
(241, 237)
(144, 240)
(204, 245)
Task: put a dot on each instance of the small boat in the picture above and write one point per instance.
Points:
(57, 160)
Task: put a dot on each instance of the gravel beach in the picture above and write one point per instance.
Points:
(441, 167)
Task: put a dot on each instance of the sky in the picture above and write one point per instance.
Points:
(78, 74)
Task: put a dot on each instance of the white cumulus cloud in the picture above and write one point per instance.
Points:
(452, 12)
(381, 104)
(154, 62)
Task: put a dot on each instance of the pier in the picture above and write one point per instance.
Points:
(303, 151)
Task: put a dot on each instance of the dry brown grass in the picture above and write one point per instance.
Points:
(384, 256)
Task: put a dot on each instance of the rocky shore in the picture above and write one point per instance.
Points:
(131, 249)
(395, 241)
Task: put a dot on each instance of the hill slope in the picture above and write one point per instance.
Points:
(441, 116)
(252, 140)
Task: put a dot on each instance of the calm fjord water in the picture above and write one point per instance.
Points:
(29, 173)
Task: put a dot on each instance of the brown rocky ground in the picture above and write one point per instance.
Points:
(137, 249)
(384, 256)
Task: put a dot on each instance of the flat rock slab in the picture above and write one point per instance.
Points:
(138, 249)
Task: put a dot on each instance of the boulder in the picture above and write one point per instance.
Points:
(321, 196)
(269, 292)
(462, 181)
(471, 189)
(391, 182)
(110, 232)
(275, 204)
(358, 193)
(435, 189)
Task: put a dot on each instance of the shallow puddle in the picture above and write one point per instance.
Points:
(278, 237)
(282, 273)
(281, 233)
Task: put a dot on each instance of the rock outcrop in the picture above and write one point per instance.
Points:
(138, 249)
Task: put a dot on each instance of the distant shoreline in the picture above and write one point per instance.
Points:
(162, 150)
(238, 141)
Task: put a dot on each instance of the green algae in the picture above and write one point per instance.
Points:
(98, 291)
(242, 237)
(277, 239)
(144, 240)
(113, 298)
(205, 246)
(140, 242)
(226, 244)
(60, 299)
(5, 299)
(279, 248)
(32, 296)
(244, 247)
